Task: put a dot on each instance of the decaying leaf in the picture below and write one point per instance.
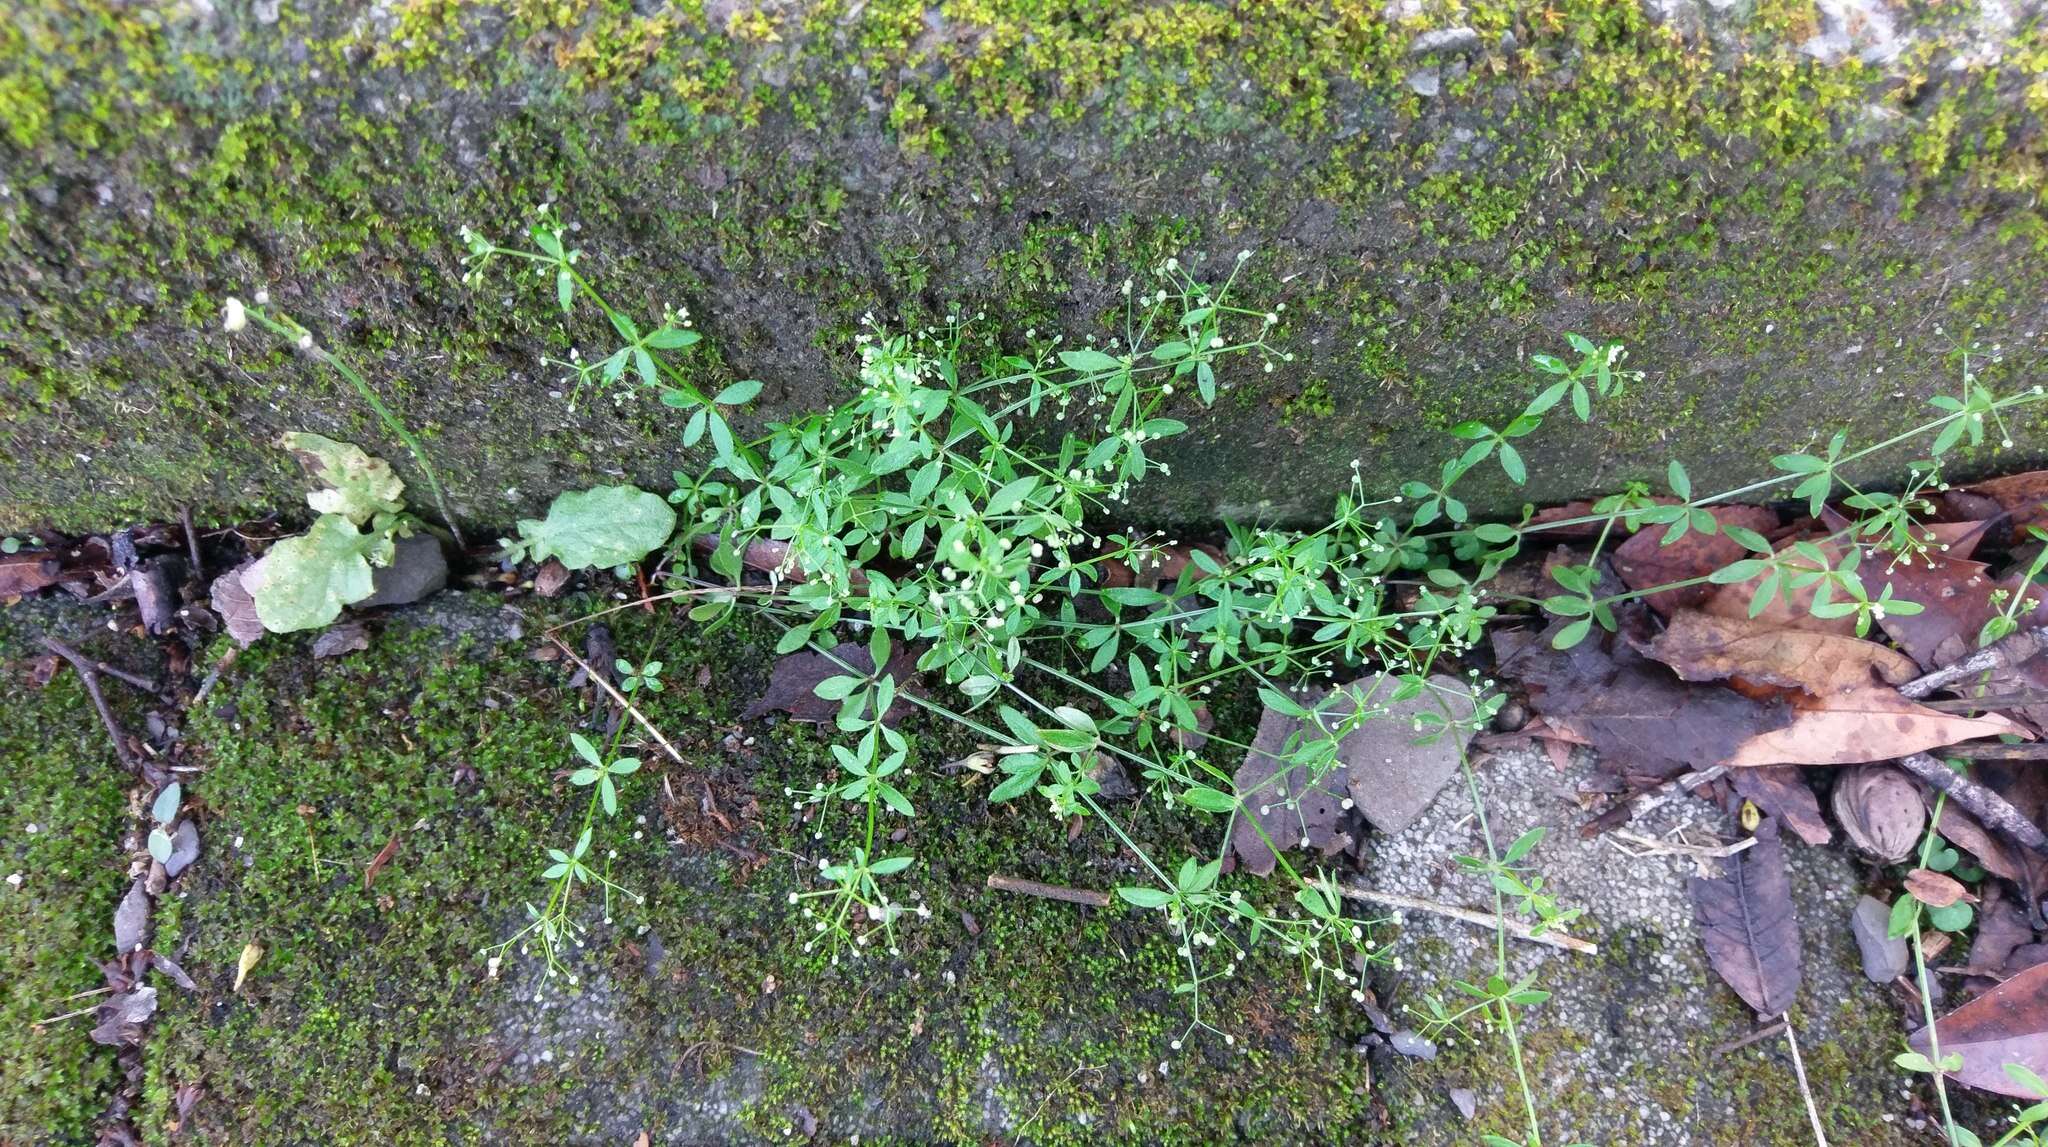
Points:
(122, 1016)
(2024, 496)
(382, 858)
(2002, 929)
(1746, 923)
(1781, 791)
(792, 683)
(184, 849)
(237, 609)
(1881, 810)
(1843, 692)
(1282, 804)
(336, 640)
(1792, 608)
(362, 486)
(1936, 889)
(2008, 1024)
(26, 573)
(252, 953)
(131, 918)
(1633, 711)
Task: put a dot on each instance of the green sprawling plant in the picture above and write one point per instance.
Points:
(935, 513)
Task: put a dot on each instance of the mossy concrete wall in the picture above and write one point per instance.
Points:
(1792, 211)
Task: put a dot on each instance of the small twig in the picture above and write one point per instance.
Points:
(1048, 891)
(1820, 1137)
(1993, 752)
(608, 687)
(1513, 927)
(1651, 846)
(136, 679)
(66, 1016)
(89, 674)
(198, 573)
(1986, 704)
(2010, 650)
(1993, 810)
(213, 676)
(1756, 1036)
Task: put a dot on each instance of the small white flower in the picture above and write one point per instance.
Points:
(306, 341)
(233, 316)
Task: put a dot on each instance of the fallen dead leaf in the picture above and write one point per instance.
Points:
(795, 677)
(382, 858)
(237, 609)
(2024, 496)
(252, 952)
(2008, 1024)
(26, 573)
(1936, 889)
(1781, 791)
(1746, 923)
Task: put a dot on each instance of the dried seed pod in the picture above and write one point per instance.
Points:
(1880, 809)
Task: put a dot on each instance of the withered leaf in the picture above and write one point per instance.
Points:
(1847, 708)
(1706, 647)
(2024, 496)
(131, 918)
(2008, 1024)
(1780, 791)
(1936, 889)
(2002, 929)
(122, 1016)
(236, 607)
(1746, 923)
(382, 858)
(184, 848)
(26, 573)
(1634, 711)
(169, 967)
(1793, 612)
(791, 683)
(1644, 560)
(341, 638)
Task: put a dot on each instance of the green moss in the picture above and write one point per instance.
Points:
(66, 816)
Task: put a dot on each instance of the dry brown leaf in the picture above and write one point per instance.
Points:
(2008, 1024)
(1871, 724)
(1846, 708)
(1747, 926)
(2024, 496)
(1936, 889)
(1707, 647)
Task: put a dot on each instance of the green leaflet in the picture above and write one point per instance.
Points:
(607, 526)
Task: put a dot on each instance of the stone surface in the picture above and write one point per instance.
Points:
(418, 568)
(1686, 179)
(1391, 777)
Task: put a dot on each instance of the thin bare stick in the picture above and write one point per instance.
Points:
(607, 686)
(1651, 846)
(136, 679)
(1820, 1137)
(1553, 938)
(1993, 810)
(1756, 1036)
(2004, 653)
(1045, 891)
(198, 573)
(66, 1016)
(700, 591)
(1991, 752)
(89, 674)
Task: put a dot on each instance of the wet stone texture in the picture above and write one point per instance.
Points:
(1792, 212)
